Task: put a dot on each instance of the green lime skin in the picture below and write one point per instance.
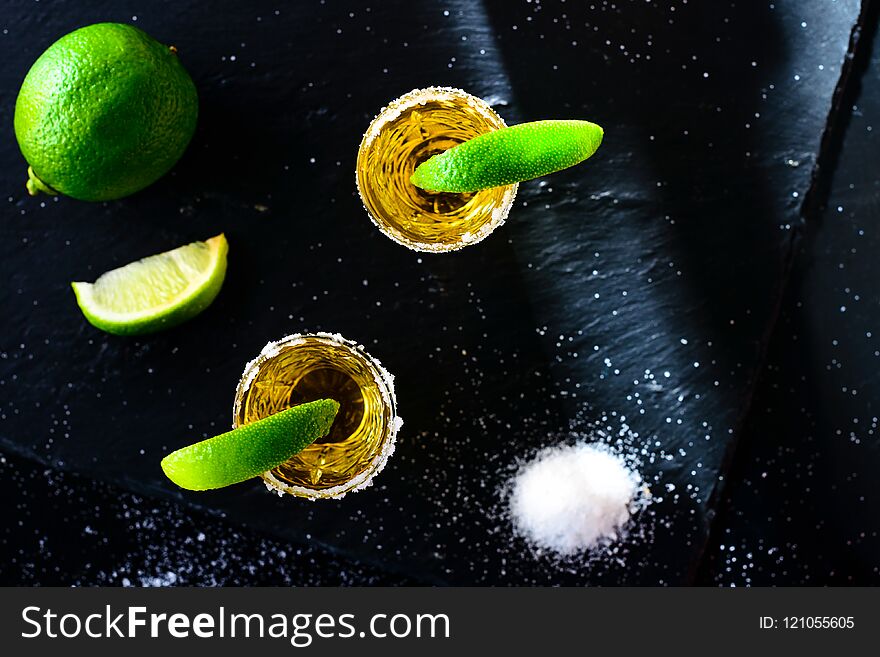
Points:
(250, 450)
(509, 155)
(106, 111)
(182, 299)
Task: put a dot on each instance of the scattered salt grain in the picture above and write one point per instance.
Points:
(572, 498)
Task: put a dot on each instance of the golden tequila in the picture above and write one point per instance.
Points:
(302, 368)
(410, 130)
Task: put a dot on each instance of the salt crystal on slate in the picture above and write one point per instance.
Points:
(572, 498)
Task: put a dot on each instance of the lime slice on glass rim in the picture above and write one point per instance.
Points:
(509, 155)
(250, 450)
(157, 292)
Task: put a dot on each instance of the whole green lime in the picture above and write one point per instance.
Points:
(104, 112)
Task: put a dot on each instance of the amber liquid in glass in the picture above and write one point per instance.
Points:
(300, 369)
(410, 130)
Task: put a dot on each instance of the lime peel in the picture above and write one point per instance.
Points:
(509, 155)
(157, 292)
(250, 450)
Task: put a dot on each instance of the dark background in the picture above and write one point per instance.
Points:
(702, 292)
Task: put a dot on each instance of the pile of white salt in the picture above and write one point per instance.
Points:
(572, 498)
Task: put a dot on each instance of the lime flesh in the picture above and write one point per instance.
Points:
(157, 292)
(105, 111)
(509, 155)
(250, 450)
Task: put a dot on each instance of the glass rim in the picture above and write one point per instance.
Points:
(384, 381)
(392, 111)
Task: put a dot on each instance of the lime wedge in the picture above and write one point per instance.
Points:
(157, 292)
(250, 450)
(509, 155)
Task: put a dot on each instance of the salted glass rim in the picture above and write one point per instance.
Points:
(391, 112)
(384, 381)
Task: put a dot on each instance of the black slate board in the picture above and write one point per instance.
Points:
(713, 115)
(803, 506)
(63, 529)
